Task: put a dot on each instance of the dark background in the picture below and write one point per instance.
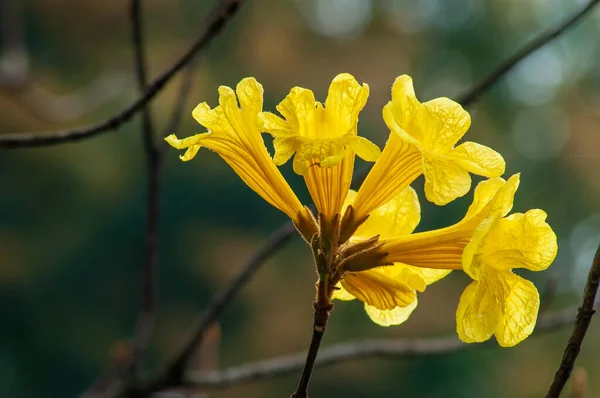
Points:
(72, 216)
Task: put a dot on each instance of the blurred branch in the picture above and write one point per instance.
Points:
(582, 322)
(150, 288)
(182, 98)
(340, 353)
(544, 38)
(173, 376)
(215, 23)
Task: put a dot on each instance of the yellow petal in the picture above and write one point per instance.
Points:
(430, 275)
(395, 316)
(479, 159)
(339, 293)
(492, 197)
(318, 135)
(521, 306)
(398, 217)
(378, 289)
(501, 303)
(397, 167)
(365, 149)
(445, 180)
(401, 113)
(234, 135)
(284, 149)
(250, 95)
(345, 100)
(299, 110)
(520, 241)
(444, 122)
(192, 144)
(478, 312)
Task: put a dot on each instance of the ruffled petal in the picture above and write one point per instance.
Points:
(520, 241)
(521, 306)
(445, 180)
(478, 312)
(378, 289)
(299, 110)
(492, 197)
(250, 95)
(444, 122)
(345, 100)
(479, 159)
(392, 317)
(234, 135)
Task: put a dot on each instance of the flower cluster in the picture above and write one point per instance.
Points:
(363, 242)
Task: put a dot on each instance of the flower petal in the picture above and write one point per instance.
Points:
(345, 100)
(250, 95)
(397, 167)
(299, 110)
(520, 241)
(445, 180)
(365, 149)
(378, 289)
(478, 312)
(521, 306)
(479, 159)
(339, 293)
(444, 123)
(234, 135)
(400, 216)
(492, 197)
(395, 316)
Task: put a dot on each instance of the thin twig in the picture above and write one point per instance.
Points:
(584, 317)
(173, 375)
(184, 93)
(149, 291)
(215, 23)
(344, 352)
(544, 38)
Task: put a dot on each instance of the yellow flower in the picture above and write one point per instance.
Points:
(233, 134)
(422, 140)
(323, 138)
(389, 292)
(443, 248)
(498, 301)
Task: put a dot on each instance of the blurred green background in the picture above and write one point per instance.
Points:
(72, 216)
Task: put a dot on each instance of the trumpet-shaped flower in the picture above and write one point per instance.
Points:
(498, 301)
(389, 292)
(443, 248)
(323, 138)
(422, 140)
(233, 134)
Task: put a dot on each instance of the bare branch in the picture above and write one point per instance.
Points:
(149, 293)
(174, 373)
(344, 352)
(544, 38)
(584, 318)
(182, 98)
(215, 23)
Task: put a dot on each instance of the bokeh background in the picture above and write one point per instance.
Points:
(72, 216)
